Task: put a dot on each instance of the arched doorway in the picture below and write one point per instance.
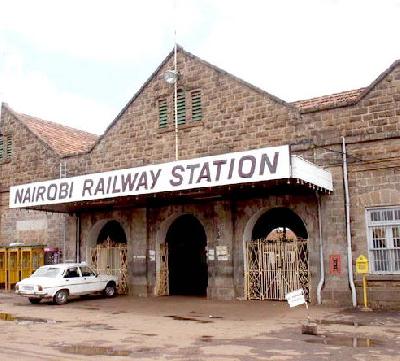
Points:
(110, 253)
(187, 262)
(112, 232)
(279, 221)
(277, 256)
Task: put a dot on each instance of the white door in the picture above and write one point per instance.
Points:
(90, 283)
(73, 280)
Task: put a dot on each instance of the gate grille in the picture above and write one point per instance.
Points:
(111, 258)
(163, 274)
(275, 268)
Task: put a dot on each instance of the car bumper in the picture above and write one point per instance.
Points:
(33, 294)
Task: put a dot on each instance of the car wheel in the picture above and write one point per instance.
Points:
(34, 301)
(61, 297)
(110, 290)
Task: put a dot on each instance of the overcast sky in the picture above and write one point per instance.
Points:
(79, 62)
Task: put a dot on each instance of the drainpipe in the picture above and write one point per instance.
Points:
(348, 230)
(321, 254)
(77, 236)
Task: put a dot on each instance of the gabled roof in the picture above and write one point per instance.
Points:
(328, 101)
(217, 69)
(63, 140)
(342, 99)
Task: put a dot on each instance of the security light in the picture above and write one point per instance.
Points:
(170, 76)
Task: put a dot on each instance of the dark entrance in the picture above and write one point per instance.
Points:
(187, 262)
(281, 220)
(112, 232)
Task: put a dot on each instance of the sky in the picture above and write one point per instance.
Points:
(79, 62)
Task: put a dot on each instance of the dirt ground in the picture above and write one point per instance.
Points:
(185, 328)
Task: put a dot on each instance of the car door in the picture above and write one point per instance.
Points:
(90, 281)
(73, 280)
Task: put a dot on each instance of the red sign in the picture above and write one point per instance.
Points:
(334, 264)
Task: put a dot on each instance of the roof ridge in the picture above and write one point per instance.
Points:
(359, 94)
(52, 122)
(69, 141)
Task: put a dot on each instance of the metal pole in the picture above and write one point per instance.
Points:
(176, 102)
(348, 230)
(321, 253)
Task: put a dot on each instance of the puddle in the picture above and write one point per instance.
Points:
(341, 322)
(346, 341)
(97, 326)
(181, 318)
(206, 338)
(23, 320)
(86, 350)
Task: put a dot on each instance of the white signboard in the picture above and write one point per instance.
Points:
(222, 253)
(295, 298)
(232, 168)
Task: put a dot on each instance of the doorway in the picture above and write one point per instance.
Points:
(277, 256)
(187, 261)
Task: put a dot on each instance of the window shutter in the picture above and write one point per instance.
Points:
(181, 105)
(1, 148)
(196, 105)
(162, 113)
(9, 147)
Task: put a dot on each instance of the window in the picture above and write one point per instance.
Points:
(181, 105)
(162, 113)
(196, 105)
(5, 147)
(383, 227)
(87, 271)
(72, 273)
(194, 114)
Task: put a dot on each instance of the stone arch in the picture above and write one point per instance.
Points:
(164, 231)
(96, 231)
(275, 212)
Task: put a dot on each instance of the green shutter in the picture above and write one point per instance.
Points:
(9, 147)
(196, 105)
(162, 113)
(1, 148)
(181, 105)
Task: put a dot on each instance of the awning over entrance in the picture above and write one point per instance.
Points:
(258, 166)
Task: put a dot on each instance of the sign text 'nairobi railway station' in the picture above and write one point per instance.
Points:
(232, 168)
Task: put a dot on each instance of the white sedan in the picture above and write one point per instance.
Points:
(58, 282)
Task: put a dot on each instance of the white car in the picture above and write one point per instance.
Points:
(59, 281)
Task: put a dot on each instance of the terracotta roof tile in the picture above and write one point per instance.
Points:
(63, 140)
(329, 101)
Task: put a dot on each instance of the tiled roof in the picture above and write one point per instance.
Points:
(63, 140)
(329, 101)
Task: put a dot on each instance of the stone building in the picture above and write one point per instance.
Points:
(254, 207)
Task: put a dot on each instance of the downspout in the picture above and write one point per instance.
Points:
(77, 236)
(348, 230)
(321, 254)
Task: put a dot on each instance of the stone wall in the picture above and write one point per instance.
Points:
(236, 117)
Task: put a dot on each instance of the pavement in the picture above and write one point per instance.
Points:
(190, 328)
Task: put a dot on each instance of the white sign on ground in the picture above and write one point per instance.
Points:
(295, 298)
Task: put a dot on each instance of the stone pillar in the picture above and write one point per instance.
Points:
(137, 253)
(221, 268)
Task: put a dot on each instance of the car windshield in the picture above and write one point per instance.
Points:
(51, 272)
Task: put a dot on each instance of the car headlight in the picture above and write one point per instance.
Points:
(40, 288)
(16, 287)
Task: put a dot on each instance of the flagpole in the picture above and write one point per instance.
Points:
(176, 104)
(176, 86)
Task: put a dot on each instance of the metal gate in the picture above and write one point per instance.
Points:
(275, 268)
(163, 274)
(111, 258)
